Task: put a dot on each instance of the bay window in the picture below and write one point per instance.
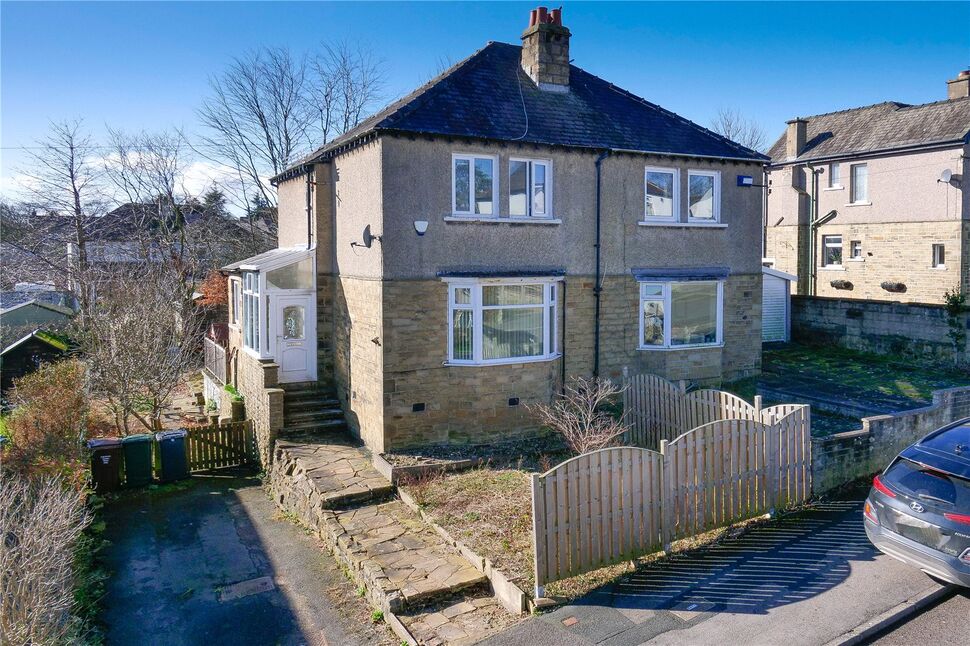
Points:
(662, 190)
(680, 314)
(474, 185)
(502, 321)
(530, 188)
(250, 310)
(235, 301)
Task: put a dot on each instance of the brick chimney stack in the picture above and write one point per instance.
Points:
(795, 137)
(959, 87)
(545, 50)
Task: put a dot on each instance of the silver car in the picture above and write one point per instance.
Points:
(918, 509)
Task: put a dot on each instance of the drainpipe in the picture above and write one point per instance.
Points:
(597, 287)
(812, 226)
(309, 208)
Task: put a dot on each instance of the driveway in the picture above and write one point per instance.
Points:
(807, 578)
(214, 564)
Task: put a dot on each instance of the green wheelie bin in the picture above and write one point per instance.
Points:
(171, 448)
(138, 459)
(106, 462)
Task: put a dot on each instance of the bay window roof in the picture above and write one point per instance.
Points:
(273, 259)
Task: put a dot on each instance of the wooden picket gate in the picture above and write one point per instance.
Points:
(618, 503)
(217, 446)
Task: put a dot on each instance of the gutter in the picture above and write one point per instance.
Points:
(597, 286)
(868, 153)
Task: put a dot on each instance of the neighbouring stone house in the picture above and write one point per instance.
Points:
(513, 222)
(871, 203)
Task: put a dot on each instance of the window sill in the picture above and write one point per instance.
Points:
(859, 204)
(684, 225)
(500, 362)
(834, 188)
(674, 348)
(938, 267)
(488, 219)
(832, 268)
(855, 260)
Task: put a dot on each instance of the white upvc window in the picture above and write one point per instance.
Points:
(235, 301)
(859, 180)
(662, 194)
(835, 175)
(250, 311)
(677, 315)
(855, 250)
(474, 185)
(703, 196)
(939, 257)
(831, 251)
(530, 188)
(496, 321)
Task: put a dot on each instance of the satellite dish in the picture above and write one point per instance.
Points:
(945, 176)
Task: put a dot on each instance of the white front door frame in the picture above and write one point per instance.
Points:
(296, 355)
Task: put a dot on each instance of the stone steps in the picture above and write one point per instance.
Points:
(402, 563)
(310, 408)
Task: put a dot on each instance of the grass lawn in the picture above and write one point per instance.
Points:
(895, 383)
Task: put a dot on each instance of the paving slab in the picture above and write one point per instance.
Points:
(338, 471)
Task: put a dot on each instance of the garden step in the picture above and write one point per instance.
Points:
(314, 426)
(301, 415)
(310, 399)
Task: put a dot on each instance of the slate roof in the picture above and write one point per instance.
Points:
(882, 127)
(489, 96)
(63, 300)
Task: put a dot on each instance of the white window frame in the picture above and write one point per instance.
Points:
(853, 198)
(938, 262)
(235, 302)
(530, 162)
(826, 244)
(832, 180)
(853, 246)
(717, 195)
(496, 185)
(550, 322)
(675, 211)
(668, 324)
(253, 311)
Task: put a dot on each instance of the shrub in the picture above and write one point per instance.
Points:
(41, 522)
(581, 414)
(49, 423)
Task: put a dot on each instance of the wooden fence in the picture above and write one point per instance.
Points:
(739, 461)
(214, 447)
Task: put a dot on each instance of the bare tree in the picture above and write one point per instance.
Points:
(41, 523)
(64, 182)
(139, 337)
(738, 128)
(580, 415)
(271, 106)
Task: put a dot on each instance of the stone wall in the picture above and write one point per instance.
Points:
(358, 338)
(919, 331)
(844, 457)
(256, 381)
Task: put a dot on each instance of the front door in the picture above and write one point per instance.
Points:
(296, 338)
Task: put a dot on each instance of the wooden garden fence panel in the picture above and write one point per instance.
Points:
(217, 446)
(596, 509)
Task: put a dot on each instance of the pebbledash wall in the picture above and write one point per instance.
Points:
(907, 329)
(844, 457)
(388, 312)
(908, 212)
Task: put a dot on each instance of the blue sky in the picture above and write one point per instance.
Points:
(145, 65)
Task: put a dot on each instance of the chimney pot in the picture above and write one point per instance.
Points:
(959, 87)
(543, 14)
(533, 17)
(556, 17)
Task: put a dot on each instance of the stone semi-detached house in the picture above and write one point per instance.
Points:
(444, 256)
(872, 203)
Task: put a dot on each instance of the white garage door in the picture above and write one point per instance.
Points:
(774, 313)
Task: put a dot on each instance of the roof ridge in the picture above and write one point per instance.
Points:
(939, 102)
(898, 105)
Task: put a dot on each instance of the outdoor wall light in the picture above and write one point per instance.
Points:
(421, 226)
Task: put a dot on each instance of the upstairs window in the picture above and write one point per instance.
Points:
(703, 195)
(474, 189)
(831, 251)
(835, 175)
(860, 183)
(502, 321)
(662, 190)
(530, 188)
(939, 257)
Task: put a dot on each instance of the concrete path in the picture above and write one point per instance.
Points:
(945, 624)
(805, 579)
(210, 565)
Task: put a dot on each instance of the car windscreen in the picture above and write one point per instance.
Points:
(928, 484)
